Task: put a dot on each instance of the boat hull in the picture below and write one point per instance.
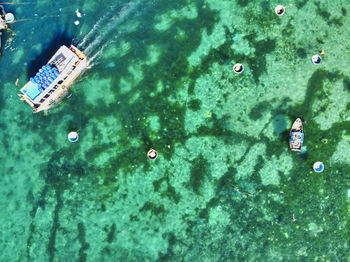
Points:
(296, 135)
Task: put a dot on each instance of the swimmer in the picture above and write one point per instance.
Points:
(322, 52)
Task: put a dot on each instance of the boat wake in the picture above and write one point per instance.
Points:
(94, 42)
(92, 58)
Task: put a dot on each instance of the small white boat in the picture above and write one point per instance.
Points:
(296, 135)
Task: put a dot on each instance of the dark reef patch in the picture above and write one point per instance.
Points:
(257, 111)
(194, 104)
(346, 83)
(300, 3)
(84, 244)
(226, 181)
(242, 3)
(343, 11)
(301, 52)
(154, 208)
(199, 172)
(262, 49)
(55, 226)
(326, 16)
(169, 192)
(111, 233)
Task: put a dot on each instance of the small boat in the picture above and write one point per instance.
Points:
(296, 135)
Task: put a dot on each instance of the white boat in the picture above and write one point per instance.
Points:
(296, 135)
(53, 80)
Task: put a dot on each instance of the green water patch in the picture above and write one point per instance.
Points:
(321, 193)
(56, 176)
(331, 20)
(136, 114)
(223, 192)
(164, 187)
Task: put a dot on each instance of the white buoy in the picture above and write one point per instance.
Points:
(318, 167)
(280, 10)
(73, 137)
(316, 59)
(152, 154)
(76, 22)
(9, 18)
(238, 68)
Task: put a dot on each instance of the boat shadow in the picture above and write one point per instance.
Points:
(61, 39)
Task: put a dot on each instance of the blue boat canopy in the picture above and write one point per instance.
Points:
(298, 135)
(32, 90)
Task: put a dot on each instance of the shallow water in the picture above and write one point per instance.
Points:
(225, 186)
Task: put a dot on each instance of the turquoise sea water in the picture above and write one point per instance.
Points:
(226, 186)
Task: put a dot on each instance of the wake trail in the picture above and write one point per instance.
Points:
(92, 31)
(116, 20)
(90, 60)
(96, 27)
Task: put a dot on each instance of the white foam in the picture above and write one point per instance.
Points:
(93, 31)
(116, 20)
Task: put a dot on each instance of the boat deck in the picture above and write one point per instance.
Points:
(52, 80)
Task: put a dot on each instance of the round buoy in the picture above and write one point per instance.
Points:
(73, 137)
(76, 22)
(318, 167)
(279, 10)
(316, 59)
(9, 18)
(152, 154)
(238, 68)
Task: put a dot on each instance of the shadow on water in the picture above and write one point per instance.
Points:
(62, 38)
(279, 123)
